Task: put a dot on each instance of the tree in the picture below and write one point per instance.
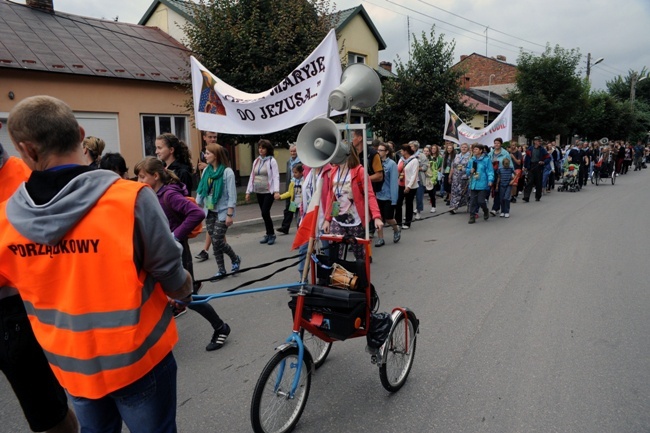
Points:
(636, 122)
(550, 93)
(620, 87)
(603, 116)
(253, 44)
(412, 106)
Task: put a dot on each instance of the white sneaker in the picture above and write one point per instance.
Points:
(405, 227)
(493, 213)
(502, 215)
(507, 215)
(433, 210)
(417, 215)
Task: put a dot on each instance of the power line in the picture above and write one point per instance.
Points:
(453, 25)
(426, 22)
(482, 25)
(448, 30)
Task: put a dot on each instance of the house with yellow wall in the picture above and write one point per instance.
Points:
(358, 38)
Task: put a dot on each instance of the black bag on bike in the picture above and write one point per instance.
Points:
(338, 313)
(380, 324)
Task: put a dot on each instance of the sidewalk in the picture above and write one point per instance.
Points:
(249, 214)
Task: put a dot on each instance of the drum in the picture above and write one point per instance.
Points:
(341, 278)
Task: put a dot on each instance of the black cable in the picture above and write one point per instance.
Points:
(263, 265)
(264, 278)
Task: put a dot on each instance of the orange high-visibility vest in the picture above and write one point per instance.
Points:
(102, 325)
(12, 174)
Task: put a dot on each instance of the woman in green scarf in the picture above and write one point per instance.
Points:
(218, 194)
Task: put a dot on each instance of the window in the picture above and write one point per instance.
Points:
(102, 125)
(356, 58)
(154, 125)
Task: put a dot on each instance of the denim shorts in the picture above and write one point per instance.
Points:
(24, 364)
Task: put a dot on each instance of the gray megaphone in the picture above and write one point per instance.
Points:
(360, 87)
(319, 143)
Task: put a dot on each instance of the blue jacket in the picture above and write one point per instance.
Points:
(484, 175)
(389, 188)
(500, 157)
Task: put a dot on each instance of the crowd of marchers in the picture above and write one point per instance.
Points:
(64, 327)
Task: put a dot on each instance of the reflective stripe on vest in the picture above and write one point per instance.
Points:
(111, 362)
(90, 321)
(101, 325)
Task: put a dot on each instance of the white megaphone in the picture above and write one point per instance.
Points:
(360, 87)
(319, 143)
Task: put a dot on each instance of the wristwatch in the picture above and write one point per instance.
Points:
(229, 215)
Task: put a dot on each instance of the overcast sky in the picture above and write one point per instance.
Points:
(616, 30)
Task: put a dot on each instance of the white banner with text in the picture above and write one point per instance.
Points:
(298, 98)
(459, 132)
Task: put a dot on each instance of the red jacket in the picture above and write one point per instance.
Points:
(357, 181)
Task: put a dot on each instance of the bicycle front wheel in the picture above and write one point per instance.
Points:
(318, 348)
(272, 409)
(400, 352)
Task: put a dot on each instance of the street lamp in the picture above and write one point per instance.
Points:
(633, 82)
(589, 64)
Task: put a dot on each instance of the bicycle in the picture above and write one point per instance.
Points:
(323, 315)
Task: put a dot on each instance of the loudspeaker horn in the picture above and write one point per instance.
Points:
(360, 87)
(604, 141)
(319, 142)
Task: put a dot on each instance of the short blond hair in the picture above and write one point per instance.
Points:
(46, 122)
(95, 146)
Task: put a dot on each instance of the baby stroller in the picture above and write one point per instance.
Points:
(570, 181)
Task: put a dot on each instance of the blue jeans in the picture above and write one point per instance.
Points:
(146, 405)
(419, 198)
(504, 195)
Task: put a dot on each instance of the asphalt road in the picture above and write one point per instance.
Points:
(538, 323)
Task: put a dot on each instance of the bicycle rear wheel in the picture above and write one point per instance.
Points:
(272, 411)
(399, 350)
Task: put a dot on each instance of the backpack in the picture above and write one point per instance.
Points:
(376, 186)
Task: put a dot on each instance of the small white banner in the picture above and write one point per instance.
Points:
(298, 98)
(459, 132)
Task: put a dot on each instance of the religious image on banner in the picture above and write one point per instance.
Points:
(452, 125)
(459, 132)
(297, 99)
(210, 102)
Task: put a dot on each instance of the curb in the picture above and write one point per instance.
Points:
(255, 221)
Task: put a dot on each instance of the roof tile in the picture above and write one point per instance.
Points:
(65, 43)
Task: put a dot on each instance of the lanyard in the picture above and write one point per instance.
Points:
(339, 185)
(259, 168)
(310, 185)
